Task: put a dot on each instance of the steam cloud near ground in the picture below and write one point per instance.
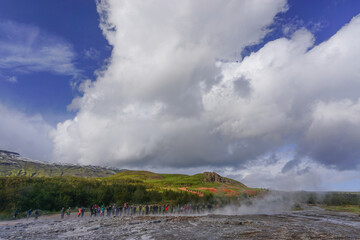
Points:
(277, 202)
(271, 203)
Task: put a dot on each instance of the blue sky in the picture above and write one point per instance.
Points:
(324, 18)
(149, 95)
(74, 24)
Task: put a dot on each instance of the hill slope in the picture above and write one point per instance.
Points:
(200, 184)
(12, 164)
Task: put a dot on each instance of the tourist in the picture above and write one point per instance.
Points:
(146, 210)
(92, 212)
(109, 211)
(62, 213)
(102, 210)
(15, 213)
(117, 211)
(29, 213)
(113, 209)
(68, 212)
(153, 209)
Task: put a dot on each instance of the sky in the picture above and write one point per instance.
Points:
(265, 92)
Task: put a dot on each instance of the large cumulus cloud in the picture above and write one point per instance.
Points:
(147, 106)
(165, 99)
(300, 94)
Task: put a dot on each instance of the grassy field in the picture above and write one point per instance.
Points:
(197, 184)
(345, 208)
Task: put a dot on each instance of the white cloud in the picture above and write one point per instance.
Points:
(27, 135)
(147, 105)
(91, 53)
(163, 101)
(25, 48)
(12, 79)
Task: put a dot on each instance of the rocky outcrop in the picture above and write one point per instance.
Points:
(211, 177)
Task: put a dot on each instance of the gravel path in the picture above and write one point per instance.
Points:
(293, 225)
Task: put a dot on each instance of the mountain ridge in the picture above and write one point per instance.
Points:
(12, 164)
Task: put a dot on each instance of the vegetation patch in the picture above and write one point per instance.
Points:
(345, 208)
(212, 190)
(192, 191)
(230, 192)
(251, 192)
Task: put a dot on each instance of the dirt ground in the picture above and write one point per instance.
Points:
(309, 224)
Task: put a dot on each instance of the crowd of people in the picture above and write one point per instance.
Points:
(141, 210)
(130, 210)
(29, 213)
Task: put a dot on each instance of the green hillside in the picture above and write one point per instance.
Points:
(11, 164)
(200, 184)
